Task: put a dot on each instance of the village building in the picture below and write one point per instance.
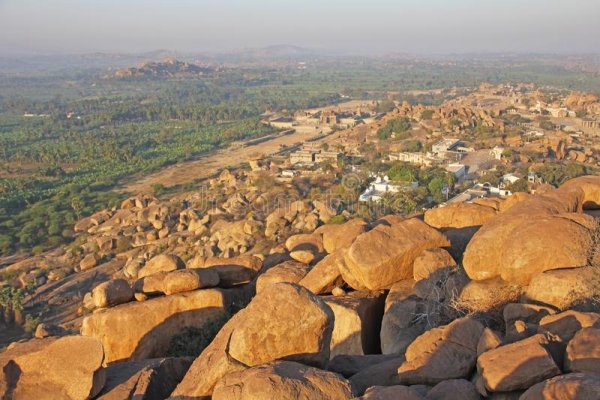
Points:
(381, 186)
(459, 170)
(496, 152)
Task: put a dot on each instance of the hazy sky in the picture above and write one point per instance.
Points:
(373, 26)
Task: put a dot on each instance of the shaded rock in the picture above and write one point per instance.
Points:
(488, 295)
(151, 324)
(284, 321)
(88, 262)
(232, 271)
(357, 322)
(384, 255)
(325, 275)
(521, 320)
(288, 271)
(69, 367)
(397, 392)
(401, 323)
(443, 353)
(348, 365)
(583, 351)
(576, 386)
(151, 284)
(381, 374)
(489, 340)
(567, 323)
(186, 280)
(112, 293)
(453, 389)
(161, 263)
(518, 365)
(152, 379)
(283, 380)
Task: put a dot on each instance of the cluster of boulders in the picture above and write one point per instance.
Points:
(496, 299)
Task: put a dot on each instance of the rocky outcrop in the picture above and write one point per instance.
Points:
(448, 352)
(232, 271)
(161, 263)
(384, 255)
(576, 386)
(283, 380)
(112, 293)
(518, 365)
(564, 289)
(459, 215)
(325, 275)
(67, 368)
(583, 352)
(538, 234)
(288, 271)
(284, 321)
(140, 330)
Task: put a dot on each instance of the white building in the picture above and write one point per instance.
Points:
(381, 186)
(445, 145)
(496, 152)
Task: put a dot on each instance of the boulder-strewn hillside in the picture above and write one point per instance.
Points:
(169, 67)
(262, 298)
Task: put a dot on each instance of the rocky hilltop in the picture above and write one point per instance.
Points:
(267, 296)
(168, 68)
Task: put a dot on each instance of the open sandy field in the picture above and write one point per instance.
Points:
(206, 166)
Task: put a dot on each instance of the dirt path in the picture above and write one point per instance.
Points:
(208, 165)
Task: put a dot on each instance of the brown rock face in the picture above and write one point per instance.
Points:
(565, 288)
(459, 215)
(288, 271)
(517, 366)
(566, 324)
(112, 293)
(336, 237)
(232, 271)
(381, 374)
(67, 368)
(325, 275)
(448, 352)
(576, 386)
(284, 321)
(186, 280)
(385, 255)
(161, 263)
(140, 330)
(583, 351)
(399, 327)
(152, 379)
(357, 323)
(537, 234)
(391, 392)
(431, 261)
(282, 380)
(453, 389)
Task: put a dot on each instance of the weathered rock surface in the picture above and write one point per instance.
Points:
(384, 255)
(431, 261)
(517, 366)
(112, 293)
(459, 215)
(540, 233)
(398, 392)
(161, 263)
(381, 374)
(576, 386)
(283, 380)
(284, 321)
(186, 280)
(288, 271)
(565, 288)
(453, 389)
(583, 352)
(336, 237)
(152, 379)
(443, 353)
(67, 368)
(232, 271)
(325, 275)
(140, 330)
(567, 323)
(357, 323)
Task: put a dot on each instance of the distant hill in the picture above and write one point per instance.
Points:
(168, 68)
